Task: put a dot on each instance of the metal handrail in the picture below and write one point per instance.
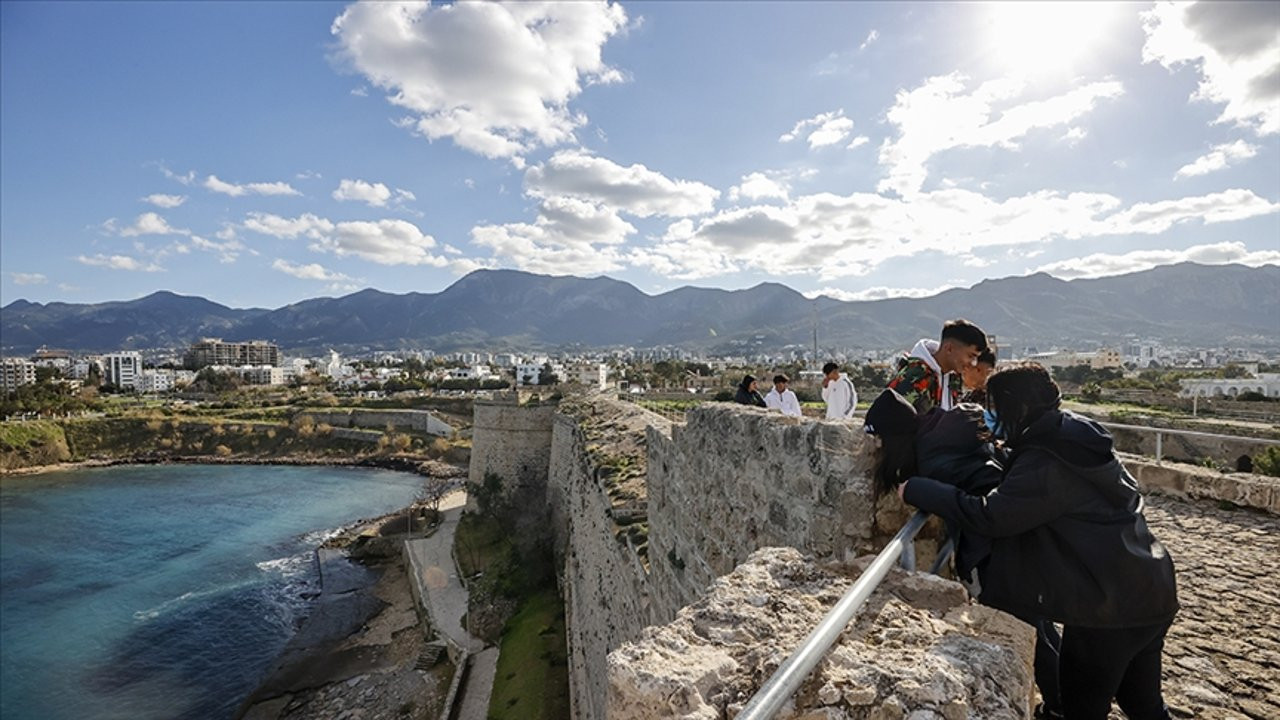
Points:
(788, 677)
(1191, 433)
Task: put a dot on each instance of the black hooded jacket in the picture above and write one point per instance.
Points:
(747, 396)
(1069, 542)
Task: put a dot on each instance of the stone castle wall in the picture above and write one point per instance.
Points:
(513, 442)
(604, 581)
(734, 479)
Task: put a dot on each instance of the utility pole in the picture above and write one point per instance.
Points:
(815, 332)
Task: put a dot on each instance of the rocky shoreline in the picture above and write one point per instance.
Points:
(362, 653)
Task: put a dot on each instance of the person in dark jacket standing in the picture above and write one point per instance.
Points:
(1069, 544)
(748, 394)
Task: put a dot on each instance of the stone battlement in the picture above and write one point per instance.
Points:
(657, 528)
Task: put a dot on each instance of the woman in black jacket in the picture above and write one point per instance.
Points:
(1068, 543)
(748, 394)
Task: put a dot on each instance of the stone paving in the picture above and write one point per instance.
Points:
(1222, 656)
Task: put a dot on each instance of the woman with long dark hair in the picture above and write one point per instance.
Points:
(1069, 544)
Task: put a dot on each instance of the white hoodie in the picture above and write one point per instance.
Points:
(787, 402)
(925, 350)
(841, 398)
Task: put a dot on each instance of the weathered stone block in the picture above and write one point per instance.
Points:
(918, 649)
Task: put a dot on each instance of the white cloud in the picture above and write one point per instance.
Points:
(261, 188)
(835, 236)
(821, 130)
(939, 115)
(373, 194)
(119, 262)
(1102, 264)
(871, 37)
(876, 293)
(386, 242)
(858, 142)
(759, 186)
(495, 78)
(308, 175)
(570, 236)
(307, 225)
(186, 179)
(21, 278)
(1155, 218)
(361, 91)
(1221, 156)
(148, 223)
(1074, 135)
(1233, 46)
(227, 250)
(165, 201)
(310, 271)
(635, 189)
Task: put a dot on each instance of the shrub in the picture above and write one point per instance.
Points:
(222, 451)
(1267, 462)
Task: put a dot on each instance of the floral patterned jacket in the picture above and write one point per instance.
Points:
(921, 386)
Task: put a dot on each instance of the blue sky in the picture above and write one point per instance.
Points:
(262, 153)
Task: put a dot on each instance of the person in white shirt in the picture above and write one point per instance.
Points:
(780, 398)
(838, 391)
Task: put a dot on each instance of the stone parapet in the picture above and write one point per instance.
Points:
(918, 649)
(734, 479)
(1189, 481)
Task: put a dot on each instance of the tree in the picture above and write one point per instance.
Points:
(433, 493)
(547, 376)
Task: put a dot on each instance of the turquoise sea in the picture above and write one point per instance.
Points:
(163, 591)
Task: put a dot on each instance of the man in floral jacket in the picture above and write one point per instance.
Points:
(926, 376)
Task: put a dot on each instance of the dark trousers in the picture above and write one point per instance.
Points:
(1048, 649)
(1098, 665)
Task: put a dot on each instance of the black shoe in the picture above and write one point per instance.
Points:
(1042, 714)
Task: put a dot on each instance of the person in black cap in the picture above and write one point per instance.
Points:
(747, 393)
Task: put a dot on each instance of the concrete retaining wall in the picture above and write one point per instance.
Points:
(417, 420)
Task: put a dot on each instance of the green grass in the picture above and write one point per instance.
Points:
(21, 435)
(532, 681)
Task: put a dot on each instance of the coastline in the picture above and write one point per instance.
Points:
(427, 467)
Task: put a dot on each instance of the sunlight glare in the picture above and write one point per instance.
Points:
(1033, 38)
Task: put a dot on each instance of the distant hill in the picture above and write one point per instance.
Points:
(1185, 303)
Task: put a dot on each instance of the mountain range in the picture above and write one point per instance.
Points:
(1187, 303)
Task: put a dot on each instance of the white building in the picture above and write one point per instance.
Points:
(156, 381)
(1099, 359)
(59, 359)
(1266, 383)
(591, 375)
(122, 369)
(531, 373)
(263, 374)
(15, 372)
(475, 372)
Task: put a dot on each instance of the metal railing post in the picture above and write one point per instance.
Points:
(1159, 445)
(788, 677)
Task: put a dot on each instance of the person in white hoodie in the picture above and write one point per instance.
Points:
(838, 392)
(924, 377)
(780, 398)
